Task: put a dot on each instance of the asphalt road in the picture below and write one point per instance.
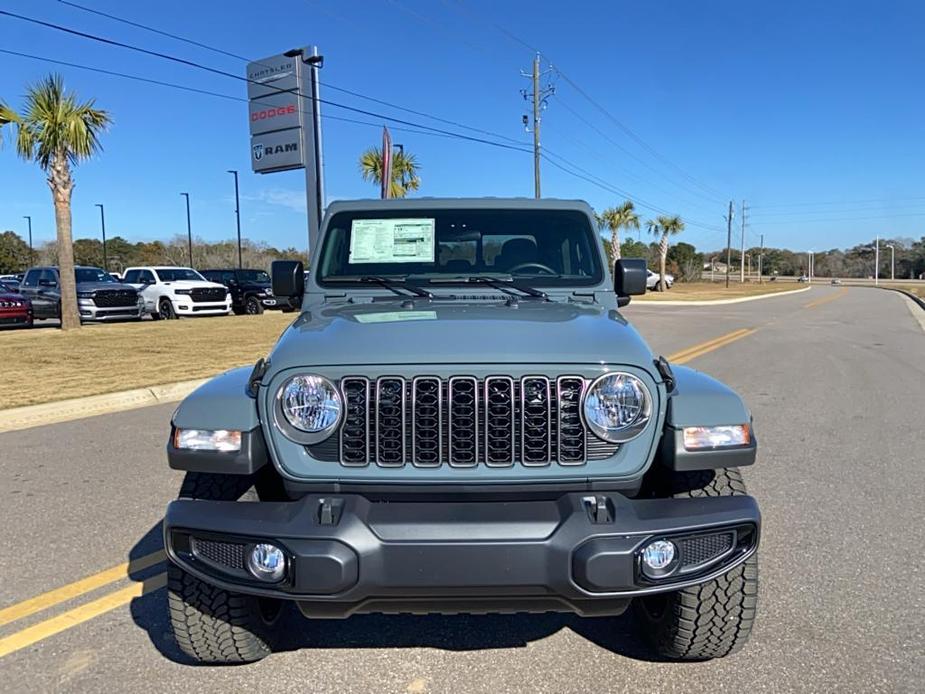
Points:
(836, 381)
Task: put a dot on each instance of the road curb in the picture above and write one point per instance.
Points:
(17, 418)
(720, 302)
(918, 300)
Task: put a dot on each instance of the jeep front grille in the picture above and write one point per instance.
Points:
(463, 421)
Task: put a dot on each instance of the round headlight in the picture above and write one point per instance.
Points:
(310, 403)
(617, 407)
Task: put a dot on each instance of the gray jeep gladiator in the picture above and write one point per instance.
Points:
(461, 420)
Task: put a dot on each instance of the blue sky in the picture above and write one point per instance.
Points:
(811, 111)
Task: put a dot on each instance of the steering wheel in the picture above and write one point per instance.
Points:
(539, 266)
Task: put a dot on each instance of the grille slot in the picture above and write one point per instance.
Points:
(535, 420)
(427, 421)
(390, 421)
(354, 434)
(463, 421)
(463, 403)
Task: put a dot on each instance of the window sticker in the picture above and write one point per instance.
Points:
(392, 241)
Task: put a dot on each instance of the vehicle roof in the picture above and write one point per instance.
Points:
(459, 203)
(161, 267)
(232, 269)
(55, 267)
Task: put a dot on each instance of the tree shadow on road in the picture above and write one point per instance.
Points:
(447, 632)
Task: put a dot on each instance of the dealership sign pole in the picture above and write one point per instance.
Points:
(284, 116)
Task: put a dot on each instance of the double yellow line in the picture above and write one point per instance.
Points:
(79, 615)
(82, 613)
(686, 355)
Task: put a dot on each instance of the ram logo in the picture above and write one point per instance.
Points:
(258, 152)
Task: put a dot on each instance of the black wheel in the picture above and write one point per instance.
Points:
(165, 310)
(713, 619)
(253, 307)
(212, 625)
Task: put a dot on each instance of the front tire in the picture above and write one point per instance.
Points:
(713, 619)
(165, 310)
(210, 624)
(253, 307)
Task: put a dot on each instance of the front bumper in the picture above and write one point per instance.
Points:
(15, 316)
(347, 554)
(91, 312)
(187, 307)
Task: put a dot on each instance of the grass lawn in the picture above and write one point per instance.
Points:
(917, 289)
(707, 291)
(46, 364)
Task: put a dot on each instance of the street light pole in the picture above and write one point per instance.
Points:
(31, 258)
(103, 225)
(237, 212)
(189, 229)
(877, 261)
(892, 260)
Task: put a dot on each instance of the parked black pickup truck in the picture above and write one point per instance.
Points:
(251, 292)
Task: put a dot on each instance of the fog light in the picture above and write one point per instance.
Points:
(267, 562)
(658, 559)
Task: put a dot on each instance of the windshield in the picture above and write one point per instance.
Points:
(175, 274)
(254, 276)
(544, 247)
(92, 274)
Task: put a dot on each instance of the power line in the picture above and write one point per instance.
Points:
(622, 126)
(224, 73)
(837, 202)
(242, 58)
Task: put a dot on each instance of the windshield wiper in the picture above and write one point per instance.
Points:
(392, 285)
(505, 283)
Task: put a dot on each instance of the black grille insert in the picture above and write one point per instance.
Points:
(698, 550)
(354, 436)
(427, 423)
(390, 422)
(499, 421)
(463, 402)
(205, 294)
(571, 431)
(115, 298)
(225, 554)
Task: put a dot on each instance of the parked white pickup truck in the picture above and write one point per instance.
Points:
(171, 292)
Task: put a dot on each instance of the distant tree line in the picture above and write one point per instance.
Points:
(14, 253)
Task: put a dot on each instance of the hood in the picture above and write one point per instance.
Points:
(96, 286)
(195, 284)
(11, 296)
(464, 333)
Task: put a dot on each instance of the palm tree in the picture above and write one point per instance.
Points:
(664, 226)
(404, 171)
(57, 132)
(616, 218)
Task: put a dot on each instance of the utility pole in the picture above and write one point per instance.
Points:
(539, 96)
(31, 258)
(728, 242)
(237, 213)
(760, 256)
(103, 225)
(189, 229)
(742, 256)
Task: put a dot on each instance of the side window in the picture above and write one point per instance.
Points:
(31, 279)
(209, 275)
(227, 277)
(49, 277)
(148, 277)
(131, 277)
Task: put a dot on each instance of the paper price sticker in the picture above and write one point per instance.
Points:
(392, 241)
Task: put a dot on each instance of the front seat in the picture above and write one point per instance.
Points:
(516, 252)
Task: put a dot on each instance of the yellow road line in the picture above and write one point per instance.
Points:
(78, 588)
(686, 355)
(826, 299)
(79, 615)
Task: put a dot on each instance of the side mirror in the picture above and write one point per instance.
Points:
(288, 278)
(629, 278)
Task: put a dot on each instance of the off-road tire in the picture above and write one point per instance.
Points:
(713, 619)
(252, 306)
(210, 624)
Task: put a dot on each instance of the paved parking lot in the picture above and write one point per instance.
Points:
(836, 381)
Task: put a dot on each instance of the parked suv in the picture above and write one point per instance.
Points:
(461, 420)
(251, 290)
(99, 296)
(170, 292)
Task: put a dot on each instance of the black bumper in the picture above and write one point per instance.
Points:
(347, 554)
